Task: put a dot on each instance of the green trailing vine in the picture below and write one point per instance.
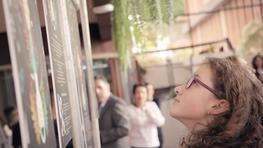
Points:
(121, 33)
(252, 39)
(138, 24)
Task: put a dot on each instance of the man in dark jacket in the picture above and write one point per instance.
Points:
(113, 119)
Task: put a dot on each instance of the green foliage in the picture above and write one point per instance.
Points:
(140, 23)
(178, 7)
(121, 33)
(252, 39)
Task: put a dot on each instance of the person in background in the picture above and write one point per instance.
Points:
(113, 119)
(257, 64)
(11, 114)
(145, 117)
(150, 91)
(221, 105)
(5, 134)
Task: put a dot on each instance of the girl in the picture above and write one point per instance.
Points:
(222, 106)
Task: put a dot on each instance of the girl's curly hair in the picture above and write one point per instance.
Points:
(242, 125)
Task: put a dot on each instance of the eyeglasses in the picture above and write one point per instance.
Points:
(193, 79)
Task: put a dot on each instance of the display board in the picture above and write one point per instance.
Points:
(58, 70)
(82, 133)
(30, 73)
(72, 9)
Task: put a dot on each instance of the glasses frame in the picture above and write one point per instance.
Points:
(195, 79)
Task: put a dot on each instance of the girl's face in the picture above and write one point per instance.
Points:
(194, 102)
(140, 96)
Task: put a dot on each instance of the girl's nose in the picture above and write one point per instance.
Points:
(179, 89)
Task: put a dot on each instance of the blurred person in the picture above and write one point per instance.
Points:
(257, 64)
(221, 105)
(5, 134)
(11, 114)
(150, 91)
(241, 62)
(113, 119)
(145, 117)
(150, 94)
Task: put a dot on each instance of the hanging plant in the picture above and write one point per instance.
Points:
(139, 24)
(121, 33)
(252, 39)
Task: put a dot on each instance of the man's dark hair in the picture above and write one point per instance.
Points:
(8, 110)
(138, 85)
(101, 77)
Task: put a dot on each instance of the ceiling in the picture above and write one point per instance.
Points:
(103, 21)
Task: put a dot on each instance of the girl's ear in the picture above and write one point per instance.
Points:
(220, 106)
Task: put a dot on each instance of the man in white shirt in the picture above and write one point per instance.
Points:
(145, 117)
